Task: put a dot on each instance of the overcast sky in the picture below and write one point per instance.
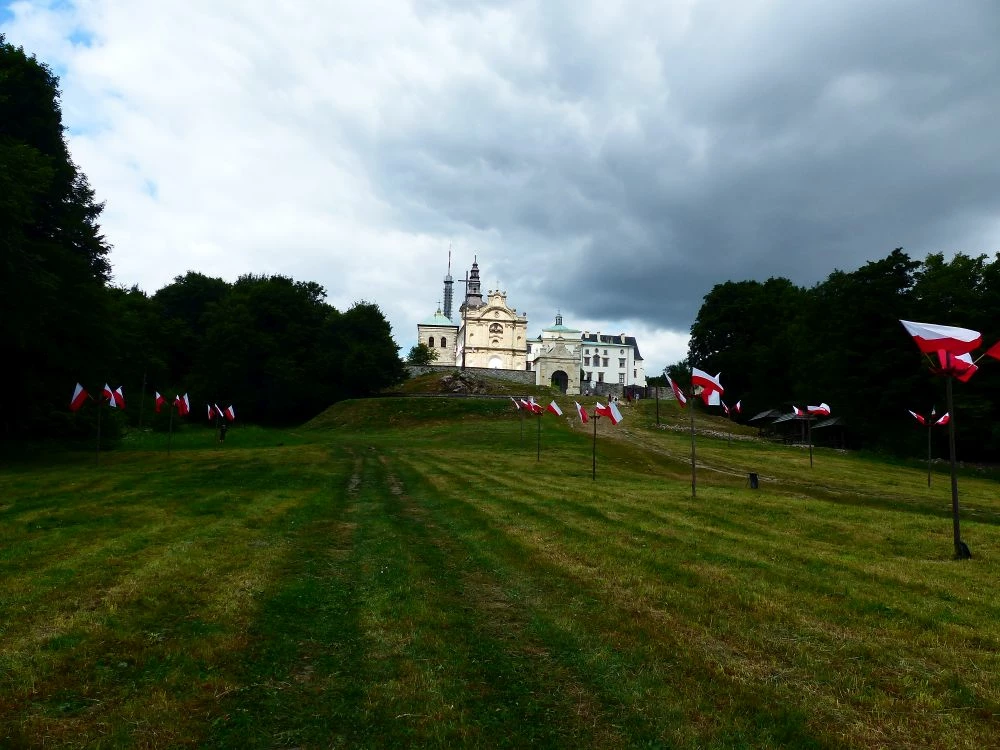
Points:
(612, 160)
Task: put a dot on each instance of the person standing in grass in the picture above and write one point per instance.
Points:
(222, 432)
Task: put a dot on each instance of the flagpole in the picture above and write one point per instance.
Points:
(99, 410)
(521, 412)
(538, 456)
(930, 426)
(809, 432)
(142, 399)
(595, 417)
(961, 550)
(170, 429)
(656, 392)
(694, 476)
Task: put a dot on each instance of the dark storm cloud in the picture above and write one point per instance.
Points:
(645, 160)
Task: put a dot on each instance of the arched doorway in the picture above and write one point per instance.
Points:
(560, 380)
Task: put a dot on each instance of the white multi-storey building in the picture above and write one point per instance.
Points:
(611, 359)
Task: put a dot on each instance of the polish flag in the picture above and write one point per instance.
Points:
(516, 405)
(183, 404)
(993, 351)
(610, 411)
(79, 396)
(119, 398)
(725, 408)
(678, 393)
(944, 420)
(526, 405)
(823, 410)
(931, 337)
(211, 412)
(707, 382)
(960, 366)
(797, 411)
(158, 402)
(917, 417)
(582, 412)
(536, 407)
(554, 408)
(738, 408)
(108, 394)
(219, 411)
(230, 413)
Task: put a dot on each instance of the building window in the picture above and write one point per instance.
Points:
(586, 361)
(635, 373)
(590, 376)
(444, 342)
(621, 362)
(600, 377)
(621, 378)
(605, 351)
(605, 361)
(430, 342)
(586, 351)
(621, 351)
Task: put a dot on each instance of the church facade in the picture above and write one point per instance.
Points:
(487, 333)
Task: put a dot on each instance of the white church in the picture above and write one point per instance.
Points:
(489, 334)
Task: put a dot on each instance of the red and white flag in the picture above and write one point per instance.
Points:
(931, 337)
(738, 408)
(823, 410)
(183, 404)
(211, 412)
(993, 351)
(230, 413)
(158, 401)
(516, 405)
(610, 411)
(108, 394)
(960, 366)
(554, 408)
(79, 396)
(917, 417)
(724, 407)
(708, 384)
(219, 411)
(536, 407)
(678, 393)
(119, 398)
(526, 405)
(797, 411)
(582, 412)
(944, 419)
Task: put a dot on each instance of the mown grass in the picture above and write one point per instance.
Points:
(405, 572)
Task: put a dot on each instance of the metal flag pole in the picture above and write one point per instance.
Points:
(99, 410)
(538, 450)
(809, 433)
(170, 428)
(930, 426)
(595, 417)
(694, 473)
(961, 549)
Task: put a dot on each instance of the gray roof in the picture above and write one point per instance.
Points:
(611, 340)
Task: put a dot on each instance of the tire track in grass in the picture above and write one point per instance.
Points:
(295, 683)
(499, 683)
(743, 683)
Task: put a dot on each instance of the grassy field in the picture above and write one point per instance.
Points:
(405, 573)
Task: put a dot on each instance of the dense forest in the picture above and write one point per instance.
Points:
(841, 342)
(271, 346)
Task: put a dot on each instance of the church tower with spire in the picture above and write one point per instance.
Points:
(449, 288)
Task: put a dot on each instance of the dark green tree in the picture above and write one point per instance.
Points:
(421, 354)
(53, 258)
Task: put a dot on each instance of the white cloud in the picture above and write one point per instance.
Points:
(613, 160)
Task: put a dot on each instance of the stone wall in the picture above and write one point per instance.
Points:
(524, 377)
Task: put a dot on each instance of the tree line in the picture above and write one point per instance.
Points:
(840, 341)
(269, 344)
